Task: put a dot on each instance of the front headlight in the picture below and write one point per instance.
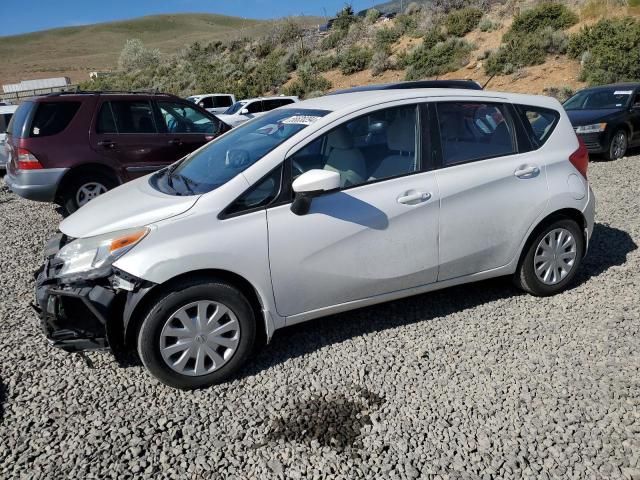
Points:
(595, 128)
(86, 254)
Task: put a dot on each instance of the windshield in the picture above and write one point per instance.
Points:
(192, 99)
(600, 99)
(235, 108)
(234, 152)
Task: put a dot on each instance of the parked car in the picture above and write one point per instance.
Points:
(70, 148)
(466, 84)
(245, 110)
(607, 118)
(6, 112)
(214, 102)
(316, 208)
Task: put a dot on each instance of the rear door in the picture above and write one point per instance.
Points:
(490, 193)
(184, 127)
(126, 133)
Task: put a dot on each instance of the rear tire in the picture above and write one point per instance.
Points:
(552, 259)
(197, 335)
(617, 145)
(83, 188)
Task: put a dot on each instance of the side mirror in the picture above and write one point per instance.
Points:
(311, 184)
(244, 111)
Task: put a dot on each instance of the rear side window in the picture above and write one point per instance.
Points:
(472, 131)
(539, 122)
(106, 121)
(5, 118)
(206, 102)
(52, 118)
(133, 117)
(222, 101)
(255, 107)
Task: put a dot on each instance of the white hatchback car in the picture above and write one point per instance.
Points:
(321, 207)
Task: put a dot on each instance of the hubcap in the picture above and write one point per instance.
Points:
(619, 145)
(555, 256)
(199, 338)
(88, 192)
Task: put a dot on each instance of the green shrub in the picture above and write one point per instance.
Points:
(561, 94)
(355, 59)
(406, 23)
(324, 63)
(344, 19)
(308, 81)
(432, 37)
(372, 15)
(385, 37)
(554, 15)
(516, 53)
(461, 22)
(380, 62)
(444, 57)
(609, 49)
(135, 56)
(487, 25)
(333, 39)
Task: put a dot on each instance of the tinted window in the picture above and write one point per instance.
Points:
(5, 118)
(182, 118)
(106, 123)
(222, 101)
(206, 102)
(52, 117)
(473, 131)
(380, 145)
(255, 107)
(541, 121)
(133, 117)
(235, 108)
(18, 124)
(260, 195)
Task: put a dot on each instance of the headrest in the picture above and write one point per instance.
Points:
(401, 134)
(340, 139)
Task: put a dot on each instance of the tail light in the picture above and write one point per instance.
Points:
(27, 160)
(580, 158)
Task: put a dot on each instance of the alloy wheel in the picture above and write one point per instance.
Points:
(88, 192)
(555, 256)
(199, 338)
(618, 145)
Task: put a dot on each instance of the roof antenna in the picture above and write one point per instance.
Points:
(488, 80)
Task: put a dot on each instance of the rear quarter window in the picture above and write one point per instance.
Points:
(18, 124)
(538, 122)
(52, 118)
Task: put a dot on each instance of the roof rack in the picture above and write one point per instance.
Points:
(466, 84)
(77, 91)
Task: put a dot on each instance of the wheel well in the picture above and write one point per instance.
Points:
(566, 213)
(243, 285)
(87, 168)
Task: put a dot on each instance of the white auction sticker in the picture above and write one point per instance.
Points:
(300, 120)
(622, 92)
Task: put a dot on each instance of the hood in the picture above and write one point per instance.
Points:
(588, 117)
(225, 118)
(131, 205)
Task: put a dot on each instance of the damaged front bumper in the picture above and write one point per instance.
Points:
(85, 312)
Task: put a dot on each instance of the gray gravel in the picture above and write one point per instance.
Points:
(479, 381)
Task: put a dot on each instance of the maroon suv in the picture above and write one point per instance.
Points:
(69, 148)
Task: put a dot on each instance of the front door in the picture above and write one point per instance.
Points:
(377, 235)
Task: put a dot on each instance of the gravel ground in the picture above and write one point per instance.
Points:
(479, 381)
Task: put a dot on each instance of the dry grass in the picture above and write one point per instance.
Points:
(75, 51)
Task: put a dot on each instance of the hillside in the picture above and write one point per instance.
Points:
(74, 51)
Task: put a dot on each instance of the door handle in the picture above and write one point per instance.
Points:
(106, 144)
(411, 198)
(527, 171)
(175, 141)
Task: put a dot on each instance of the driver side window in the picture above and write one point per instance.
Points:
(181, 118)
(380, 145)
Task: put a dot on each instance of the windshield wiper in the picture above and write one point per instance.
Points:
(188, 183)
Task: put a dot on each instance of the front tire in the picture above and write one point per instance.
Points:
(618, 145)
(83, 188)
(197, 335)
(552, 259)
